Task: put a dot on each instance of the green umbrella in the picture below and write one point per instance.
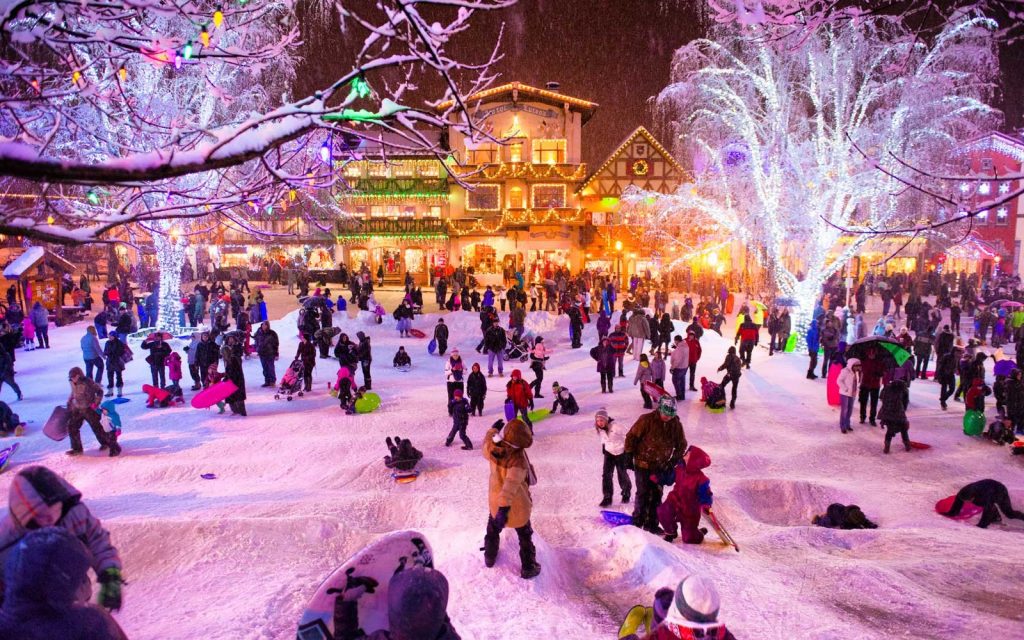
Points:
(891, 348)
(898, 352)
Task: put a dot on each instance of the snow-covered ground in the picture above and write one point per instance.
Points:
(300, 487)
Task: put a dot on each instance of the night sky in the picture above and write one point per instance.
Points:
(613, 52)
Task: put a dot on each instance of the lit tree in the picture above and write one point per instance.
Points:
(83, 150)
(776, 134)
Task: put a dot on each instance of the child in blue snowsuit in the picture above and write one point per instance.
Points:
(459, 408)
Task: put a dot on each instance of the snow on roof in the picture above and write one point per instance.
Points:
(24, 262)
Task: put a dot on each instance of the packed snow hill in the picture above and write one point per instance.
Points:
(226, 525)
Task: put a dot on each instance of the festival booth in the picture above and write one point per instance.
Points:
(37, 276)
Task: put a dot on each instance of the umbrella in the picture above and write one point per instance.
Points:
(786, 302)
(314, 301)
(882, 285)
(1009, 304)
(755, 303)
(889, 350)
(1005, 367)
(163, 335)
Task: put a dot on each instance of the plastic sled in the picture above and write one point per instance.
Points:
(416, 333)
(379, 561)
(432, 346)
(712, 519)
(919, 445)
(969, 509)
(369, 402)
(213, 394)
(654, 390)
(616, 518)
(832, 385)
(405, 477)
(716, 410)
(510, 410)
(56, 427)
(974, 423)
(639, 621)
(538, 414)
(6, 455)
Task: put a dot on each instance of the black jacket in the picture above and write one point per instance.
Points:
(494, 339)
(895, 399)
(441, 333)
(364, 352)
(158, 352)
(476, 385)
(207, 353)
(267, 343)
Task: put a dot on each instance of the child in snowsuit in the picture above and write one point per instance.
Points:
(476, 388)
(343, 385)
(690, 497)
(10, 422)
(564, 401)
(417, 599)
(712, 394)
(402, 359)
(987, 494)
(459, 410)
(974, 399)
(693, 613)
(174, 374)
(613, 448)
(644, 374)
(893, 414)
(404, 456)
(214, 377)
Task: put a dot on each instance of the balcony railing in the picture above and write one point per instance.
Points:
(384, 227)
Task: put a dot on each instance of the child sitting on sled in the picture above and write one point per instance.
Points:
(712, 394)
(343, 389)
(689, 498)
(402, 360)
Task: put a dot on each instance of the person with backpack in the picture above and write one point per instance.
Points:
(115, 353)
(441, 336)
(733, 367)
(81, 405)
(509, 501)
(829, 337)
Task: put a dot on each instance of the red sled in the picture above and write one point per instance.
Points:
(416, 333)
(213, 394)
(654, 390)
(969, 509)
(919, 445)
(832, 385)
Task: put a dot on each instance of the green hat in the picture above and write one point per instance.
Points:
(667, 406)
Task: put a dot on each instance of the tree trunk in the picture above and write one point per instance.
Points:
(170, 256)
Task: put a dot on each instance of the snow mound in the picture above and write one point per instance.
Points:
(785, 502)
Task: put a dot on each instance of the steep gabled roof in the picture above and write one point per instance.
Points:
(524, 92)
(639, 132)
(998, 142)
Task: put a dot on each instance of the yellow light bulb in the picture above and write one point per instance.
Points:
(49, 220)
(218, 18)
(123, 73)
(76, 76)
(291, 194)
(204, 37)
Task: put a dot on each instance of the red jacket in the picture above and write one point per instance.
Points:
(669, 631)
(519, 392)
(694, 345)
(618, 340)
(748, 333)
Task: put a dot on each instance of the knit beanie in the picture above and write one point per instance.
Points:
(695, 604)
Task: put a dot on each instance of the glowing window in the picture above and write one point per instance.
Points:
(484, 197)
(548, 196)
(482, 154)
(549, 151)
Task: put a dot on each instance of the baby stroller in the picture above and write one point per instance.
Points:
(517, 348)
(291, 383)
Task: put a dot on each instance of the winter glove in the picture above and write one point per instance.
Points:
(502, 518)
(498, 424)
(355, 587)
(110, 589)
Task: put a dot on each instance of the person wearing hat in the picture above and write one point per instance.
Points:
(509, 498)
(656, 442)
(365, 354)
(124, 320)
(613, 447)
(564, 400)
(441, 336)
(693, 613)
(647, 617)
(458, 409)
(519, 393)
(417, 607)
(454, 372)
(39, 498)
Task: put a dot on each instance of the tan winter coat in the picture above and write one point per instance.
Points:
(509, 470)
(654, 444)
(84, 394)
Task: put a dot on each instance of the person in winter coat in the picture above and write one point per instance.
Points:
(114, 352)
(606, 357)
(991, 495)
(619, 341)
(603, 325)
(658, 369)
(945, 374)
(655, 442)
(207, 355)
(7, 372)
(538, 357)
(772, 324)
(665, 329)
(193, 368)
(565, 402)
(575, 326)
(417, 600)
(157, 359)
(812, 349)
(1015, 399)
(893, 414)
(476, 389)
(974, 399)
(639, 330)
(268, 348)
(679, 363)
(520, 394)
(454, 373)
(613, 449)
(174, 373)
(100, 323)
(306, 352)
(654, 328)
(459, 410)
(494, 344)
(692, 614)
(872, 369)
(46, 572)
(689, 498)
(441, 336)
(829, 338)
(232, 354)
(693, 342)
(40, 498)
(124, 321)
(509, 500)
(848, 381)
(40, 319)
(746, 336)
(402, 359)
(644, 374)
(944, 342)
(923, 352)
(365, 354)
(92, 354)
(733, 367)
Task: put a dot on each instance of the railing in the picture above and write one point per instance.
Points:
(426, 227)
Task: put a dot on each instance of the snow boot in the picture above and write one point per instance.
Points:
(604, 503)
(527, 552)
(490, 550)
(467, 447)
(626, 498)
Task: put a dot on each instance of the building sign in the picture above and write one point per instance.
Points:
(543, 113)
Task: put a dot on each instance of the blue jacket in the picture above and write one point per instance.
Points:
(812, 337)
(488, 298)
(91, 348)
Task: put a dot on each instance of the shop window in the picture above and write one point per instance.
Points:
(377, 170)
(433, 212)
(402, 169)
(515, 198)
(515, 151)
(548, 196)
(430, 169)
(549, 151)
(414, 260)
(481, 257)
(485, 197)
(407, 211)
(378, 211)
(482, 154)
(357, 258)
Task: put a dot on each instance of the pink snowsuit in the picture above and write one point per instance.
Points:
(691, 494)
(174, 367)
